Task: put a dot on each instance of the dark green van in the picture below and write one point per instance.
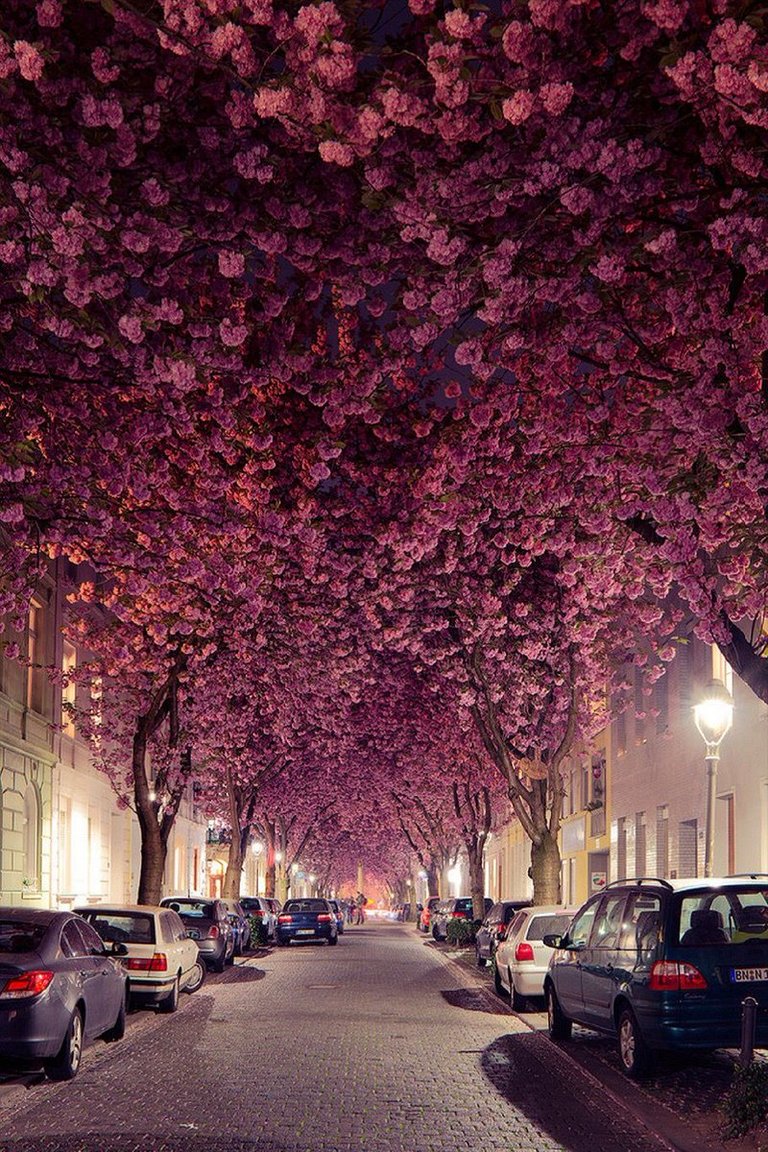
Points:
(663, 965)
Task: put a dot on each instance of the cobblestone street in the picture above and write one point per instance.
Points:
(375, 1046)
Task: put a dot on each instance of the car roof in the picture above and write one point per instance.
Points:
(80, 908)
(33, 915)
(550, 910)
(692, 883)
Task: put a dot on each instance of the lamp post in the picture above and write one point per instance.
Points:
(713, 716)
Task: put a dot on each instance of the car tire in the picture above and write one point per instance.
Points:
(497, 984)
(171, 1002)
(558, 1025)
(635, 1055)
(281, 943)
(479, 960)
(518, 1002)
(197, 977)
(219, 964)
(333, 939)
(229, 958)
(64, 1065)
(117, 1031)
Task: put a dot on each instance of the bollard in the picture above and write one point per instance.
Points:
(748, 1021)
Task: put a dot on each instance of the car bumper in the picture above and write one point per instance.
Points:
(529, 981)
(150, 991)
(286, 935)
(32, 1031)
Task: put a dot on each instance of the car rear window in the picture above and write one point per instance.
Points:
(540, 926)
(195, 909)
(20, 936)
(305, 906)
(123, 928)
(735, 915)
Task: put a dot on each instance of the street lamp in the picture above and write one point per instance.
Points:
(713, 716)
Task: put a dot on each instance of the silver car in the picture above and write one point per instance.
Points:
(162, 959)
(60, 985)
(522, 958)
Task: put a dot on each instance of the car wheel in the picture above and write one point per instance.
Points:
(229, 957)
(218, 964)
(171, 1001)
(117, 1031)
(66, 1062)
(479, 960)
(197, 977)
(559, 1026)
(518, 1001)
(497, 984)
(333, 939)
(634, 1053)
(281, 943)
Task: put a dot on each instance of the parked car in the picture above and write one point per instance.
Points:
(425, 913)
(162, 959)
(260, 909)
(241, 925)
(307, 919)
(207, 923)
(60, 986)
(456, 909)
(663, 965)
(522, 958)
(339, 914)
(494, 928)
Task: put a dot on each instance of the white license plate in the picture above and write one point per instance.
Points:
(305, 931)
(748, 975)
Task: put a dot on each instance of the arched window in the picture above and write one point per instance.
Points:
(32, 838)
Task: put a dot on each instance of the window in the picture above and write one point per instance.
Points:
(687, 848)
(662, 840)
(642, 921)
(640, 844)
(34, 689)
(72, 943)
(607, 928)
(721, 669)
(621, 848)
(578, 933)
(68, 665)
(32, 839)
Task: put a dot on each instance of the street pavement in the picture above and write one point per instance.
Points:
(382, 1044)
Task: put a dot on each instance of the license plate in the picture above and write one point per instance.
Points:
(749, 975)
(305, 932)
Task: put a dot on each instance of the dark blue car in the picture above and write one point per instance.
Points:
(307, 919)
(663, 965)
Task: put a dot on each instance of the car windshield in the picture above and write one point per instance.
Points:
(123, 927)
(197, 908)
(19, 936)
(724, 916)
(305, 906)
(541, 926)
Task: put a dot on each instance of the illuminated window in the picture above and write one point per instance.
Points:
(721, 669)
(34, 685)
(31, 839)
(68, 665)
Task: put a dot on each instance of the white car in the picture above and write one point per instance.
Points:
(162, 959)
(522, 959)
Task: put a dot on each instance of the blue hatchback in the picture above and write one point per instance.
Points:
(307, 919)
(663, 965)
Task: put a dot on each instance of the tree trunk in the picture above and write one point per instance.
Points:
(545, 869)
(269, 874)
(230, 888)
(154, 846)
(476, 882)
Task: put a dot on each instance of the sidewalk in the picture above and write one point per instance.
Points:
(681, 1103)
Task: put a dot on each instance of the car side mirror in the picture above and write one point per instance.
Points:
(555, 940)
(117, 949)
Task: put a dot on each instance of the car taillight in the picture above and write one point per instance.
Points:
(257, 913)
(286, 919)
(214, 932)
(458, 916)
(324, 918)
(671, 976)
(156, 963)
(27, 984)
(501, 932)
(524, 951)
